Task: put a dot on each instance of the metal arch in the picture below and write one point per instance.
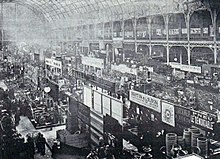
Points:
(90, 6)
(74, 7)
(35, 11)
(67, 9)
(43, 7)
(53, 9)
(61, 12)
(32, 5)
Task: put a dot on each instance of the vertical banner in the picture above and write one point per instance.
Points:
(168, 114)
(106, 105)
(87, 96)
(97, 102)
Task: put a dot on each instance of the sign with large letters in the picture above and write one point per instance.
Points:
(145, 100)
(53, 63)
(183, 116)
(203, 119)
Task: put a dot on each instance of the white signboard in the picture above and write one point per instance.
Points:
(173, 31)
(94, 62)
(168, 114)
(124, 69)
(145, 100)
(87, 96)
(189, 68)
(195, 30)
(97, 102)
(205, 30)
(184, 31)
(117, 110)
(106, 105)
(175, 65)
(53, 63)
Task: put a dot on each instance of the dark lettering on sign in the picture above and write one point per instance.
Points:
(203, 119)
(145, 99)
(183, 116)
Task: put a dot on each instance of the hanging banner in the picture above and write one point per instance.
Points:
(145, 100)
(168, 114)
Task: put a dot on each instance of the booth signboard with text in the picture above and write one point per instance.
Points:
(145, 100)
(182, 117)
(53, 63)
(203, 119)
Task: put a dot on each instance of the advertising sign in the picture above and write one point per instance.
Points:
(91, 61)
(195, 31)
(168, 114)
(87, 96)
(145, 100)
(175, 65)
(203, 119)
(124, 69)
(189, 68)
(183, 116)
(53, 63)
(117, 110)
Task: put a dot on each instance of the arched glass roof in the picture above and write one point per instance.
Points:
(61, 9)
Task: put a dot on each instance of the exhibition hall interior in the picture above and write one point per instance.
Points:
(109, 79)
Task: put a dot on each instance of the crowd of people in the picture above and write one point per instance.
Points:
(38, 143)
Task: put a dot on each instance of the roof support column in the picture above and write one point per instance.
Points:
(113, 49)
(2, 23)
(166, 18)
(103, 31)
(123, 28)
(87, 26)
(95, 31)
(123, 37)
(112, 26)
(214, 19)
(135, 33)
(149, 19)
(187, 17)
(16, 21)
